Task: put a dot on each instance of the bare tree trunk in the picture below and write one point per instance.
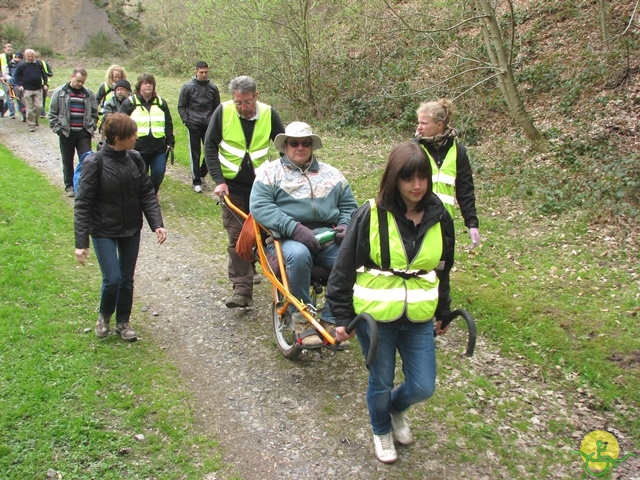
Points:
(604, 14)
(500, 60)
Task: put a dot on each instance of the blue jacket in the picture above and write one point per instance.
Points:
(284, 195)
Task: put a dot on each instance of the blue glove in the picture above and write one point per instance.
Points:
(340, 230)
(306, 236)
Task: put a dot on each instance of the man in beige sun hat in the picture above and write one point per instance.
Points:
(297, 197)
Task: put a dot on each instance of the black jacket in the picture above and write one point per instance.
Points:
(111, 200)
(197, 102)
(355, 249)
(465, 190)
(30, 76)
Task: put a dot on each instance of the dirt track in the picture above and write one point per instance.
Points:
(306, 419)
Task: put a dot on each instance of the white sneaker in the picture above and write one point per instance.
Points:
(197, 188)
(400, 427)
(385, 450)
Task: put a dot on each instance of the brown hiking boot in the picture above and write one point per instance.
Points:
(237, 300)
(125, 332)
(312, 340)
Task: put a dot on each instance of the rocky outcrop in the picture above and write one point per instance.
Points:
(62, 25)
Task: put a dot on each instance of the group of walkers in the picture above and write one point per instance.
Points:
(24, 78)
(390, 257)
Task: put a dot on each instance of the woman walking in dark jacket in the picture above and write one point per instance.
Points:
(394, 264)
(113, 193)
(452, 176)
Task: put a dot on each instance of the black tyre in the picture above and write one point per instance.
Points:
(283, 327)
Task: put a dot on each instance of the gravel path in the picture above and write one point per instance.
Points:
(278, 419)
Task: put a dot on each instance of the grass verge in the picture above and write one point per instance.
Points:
(71, 402)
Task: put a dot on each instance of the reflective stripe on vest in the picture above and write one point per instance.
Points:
(386, 295)
(444, 178)
(148, 121)
(233, 146)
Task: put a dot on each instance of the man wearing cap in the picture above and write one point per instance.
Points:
(296, 198)
(198, 99)
(236, 143)
(122, 91)
(73, 114)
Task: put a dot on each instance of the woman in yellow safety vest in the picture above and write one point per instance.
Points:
(155, 126)
(394, 264)
(452, 176)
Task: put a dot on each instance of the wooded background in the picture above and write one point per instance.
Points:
(549, 89)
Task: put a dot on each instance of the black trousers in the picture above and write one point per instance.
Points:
(198, 167)
(76, 142)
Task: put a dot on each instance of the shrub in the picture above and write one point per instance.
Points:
(101, 45)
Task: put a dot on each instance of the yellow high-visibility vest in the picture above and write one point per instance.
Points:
(233, 146)
(444, 178)
(149, 121)
(405, 287)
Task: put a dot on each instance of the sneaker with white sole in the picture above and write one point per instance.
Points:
(125, 332)
(385, 449)
(400, 428)
(102, 327)
(197, 188)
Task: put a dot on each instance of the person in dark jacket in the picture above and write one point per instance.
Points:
(452, 176)
(394, 264)
(155, 126)
(114, 192)
(32, 81)
(236, 144)
(122, 92)
(73, 114)
(198, 100)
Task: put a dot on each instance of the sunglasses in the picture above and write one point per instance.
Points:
(296, 143)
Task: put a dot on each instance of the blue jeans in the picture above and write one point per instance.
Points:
(416, 345)
(298, 261)
(117, 259)
(156, 166)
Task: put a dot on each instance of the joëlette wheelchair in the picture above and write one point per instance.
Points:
(288, 342)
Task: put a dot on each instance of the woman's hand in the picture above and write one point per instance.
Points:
(474, 234)
(82, 254)
(161, 233)
(342, 335)
(439, 330)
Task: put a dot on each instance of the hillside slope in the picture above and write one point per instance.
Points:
(64, 26)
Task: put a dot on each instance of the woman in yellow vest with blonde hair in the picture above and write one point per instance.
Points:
(452, 176)
(394, 264)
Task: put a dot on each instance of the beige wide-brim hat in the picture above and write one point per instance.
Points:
(296, 130)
